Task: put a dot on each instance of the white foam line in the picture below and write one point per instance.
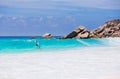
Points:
(114, 41)
(83, 42)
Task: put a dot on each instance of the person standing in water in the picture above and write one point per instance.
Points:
(37, 43)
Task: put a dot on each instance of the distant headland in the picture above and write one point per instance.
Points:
(108, 29)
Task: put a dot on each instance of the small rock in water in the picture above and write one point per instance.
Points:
(47, 35)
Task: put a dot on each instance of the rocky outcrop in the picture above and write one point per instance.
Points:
(84, 34)
(80, 32)
(47, 35)
(109, 29)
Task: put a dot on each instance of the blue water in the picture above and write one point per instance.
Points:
(27, 43)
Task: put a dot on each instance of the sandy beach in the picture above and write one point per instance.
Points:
(85, 63)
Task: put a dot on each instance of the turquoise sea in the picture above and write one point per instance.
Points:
(23, 43)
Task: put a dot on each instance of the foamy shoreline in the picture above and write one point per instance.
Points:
(85, 63)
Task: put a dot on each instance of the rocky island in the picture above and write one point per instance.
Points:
(108, 29)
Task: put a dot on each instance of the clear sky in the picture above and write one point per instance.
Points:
(59, 17)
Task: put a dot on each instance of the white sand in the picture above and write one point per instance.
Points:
(87, 63)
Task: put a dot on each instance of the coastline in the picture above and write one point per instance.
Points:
(59, 39)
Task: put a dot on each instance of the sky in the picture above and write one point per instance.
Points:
(59, 17)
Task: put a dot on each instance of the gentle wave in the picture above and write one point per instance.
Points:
(83, 42)
(44, 44)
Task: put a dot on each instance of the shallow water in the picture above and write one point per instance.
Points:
(28, 44)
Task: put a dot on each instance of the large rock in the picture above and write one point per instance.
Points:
(80, 32)
(84, 34)
(47, 35)
(109, 29)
